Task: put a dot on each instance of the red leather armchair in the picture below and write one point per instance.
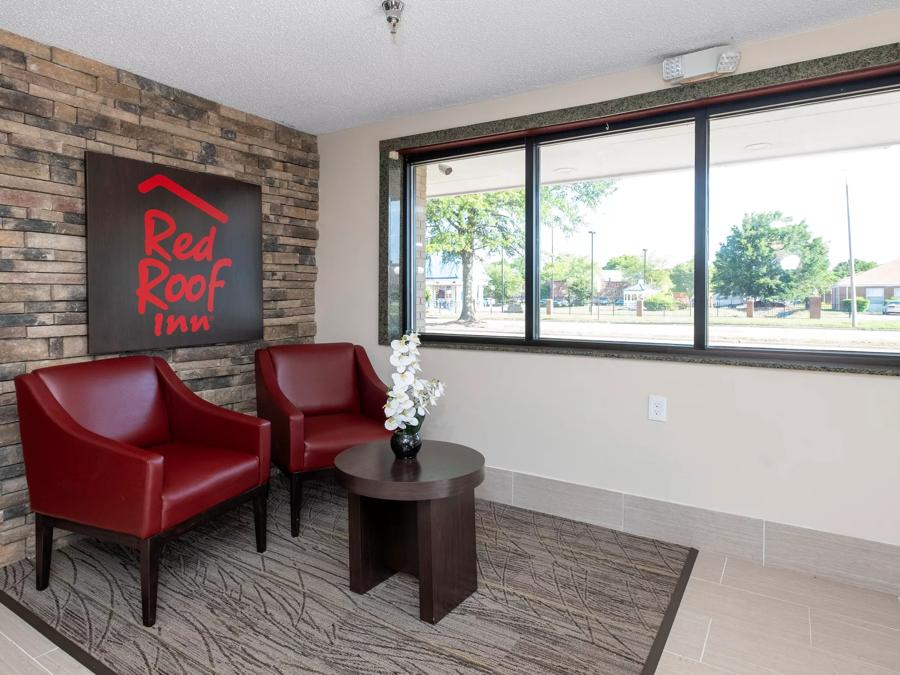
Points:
(121, 449)
(321, 400)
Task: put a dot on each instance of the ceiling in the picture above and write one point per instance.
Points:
(326, 65)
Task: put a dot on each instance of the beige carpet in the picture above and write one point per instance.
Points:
(555, 596)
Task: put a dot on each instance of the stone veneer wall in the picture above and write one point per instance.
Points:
(55, 105)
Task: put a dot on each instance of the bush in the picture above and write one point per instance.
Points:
(862, 304)
(659, 302)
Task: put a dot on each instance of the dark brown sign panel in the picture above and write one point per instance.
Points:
(174, 257)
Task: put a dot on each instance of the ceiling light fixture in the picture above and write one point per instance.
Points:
(392, 11)
(753, 147)
(564, 170)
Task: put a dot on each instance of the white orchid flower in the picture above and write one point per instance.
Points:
(403, 379)
(409, 399)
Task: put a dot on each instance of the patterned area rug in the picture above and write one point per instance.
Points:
(555, 596)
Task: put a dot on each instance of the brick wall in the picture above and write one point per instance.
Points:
(55, 105)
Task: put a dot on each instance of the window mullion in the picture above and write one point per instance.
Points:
(701, 228)
(407, 251)
(532, 239)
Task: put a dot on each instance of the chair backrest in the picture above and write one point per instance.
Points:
(320, 379)
(117, 398)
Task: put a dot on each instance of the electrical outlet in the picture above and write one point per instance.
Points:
(656, 408)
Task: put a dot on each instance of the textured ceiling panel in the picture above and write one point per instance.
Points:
(332, 64)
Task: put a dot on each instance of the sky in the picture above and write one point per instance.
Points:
(655, 211)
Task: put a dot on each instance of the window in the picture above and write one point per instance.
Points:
(617, 224)
(600, 237)
(791, 190)
(469, 245)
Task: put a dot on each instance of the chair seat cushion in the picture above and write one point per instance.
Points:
(197, 477)
(328, 435)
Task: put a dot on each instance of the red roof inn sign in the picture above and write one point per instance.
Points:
(174, 257)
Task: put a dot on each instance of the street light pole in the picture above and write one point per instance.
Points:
(592, 233)
(644, 277)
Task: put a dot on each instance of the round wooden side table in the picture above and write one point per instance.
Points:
(413, 516)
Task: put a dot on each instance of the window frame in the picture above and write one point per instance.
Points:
(701, 114)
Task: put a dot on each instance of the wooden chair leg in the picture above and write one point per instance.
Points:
(296, 493)
(43, 539)
(259, 517)
(149, 552)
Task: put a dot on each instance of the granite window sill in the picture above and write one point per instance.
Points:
(858, 364)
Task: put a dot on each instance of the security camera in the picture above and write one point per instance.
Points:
(445, 169)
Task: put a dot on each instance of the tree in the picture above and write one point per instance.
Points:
(683, 278)
(469, 226)
(813, 276)
(746, 264)
(574, 271)
(632, 268)
(749, 263)
(660, 302)
(507, 280)
(462, 226)
(842, 269)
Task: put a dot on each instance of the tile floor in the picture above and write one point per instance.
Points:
(24, 651)
(740, 618)
(736, 618)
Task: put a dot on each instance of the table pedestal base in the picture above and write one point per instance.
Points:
(433, 540)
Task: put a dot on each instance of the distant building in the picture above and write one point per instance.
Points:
(638, 291)
(611, 290)
(443, 281)
(610, 285)
(877, 284)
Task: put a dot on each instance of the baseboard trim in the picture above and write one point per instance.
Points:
(864, 563)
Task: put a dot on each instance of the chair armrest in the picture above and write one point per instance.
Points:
(288, 438)
(194, 419)
(372, 391)
(78, 475)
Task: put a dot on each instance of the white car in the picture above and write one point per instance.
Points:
(891, 308)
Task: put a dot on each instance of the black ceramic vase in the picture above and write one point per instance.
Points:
(406, 446)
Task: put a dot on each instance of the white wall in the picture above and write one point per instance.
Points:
(817, 450)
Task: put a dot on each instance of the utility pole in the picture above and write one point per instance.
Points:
(502, 280)
(592, 233)
(852, 262)
(552, 264)
(644, 277)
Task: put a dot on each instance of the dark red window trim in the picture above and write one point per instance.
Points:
(788, 87)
